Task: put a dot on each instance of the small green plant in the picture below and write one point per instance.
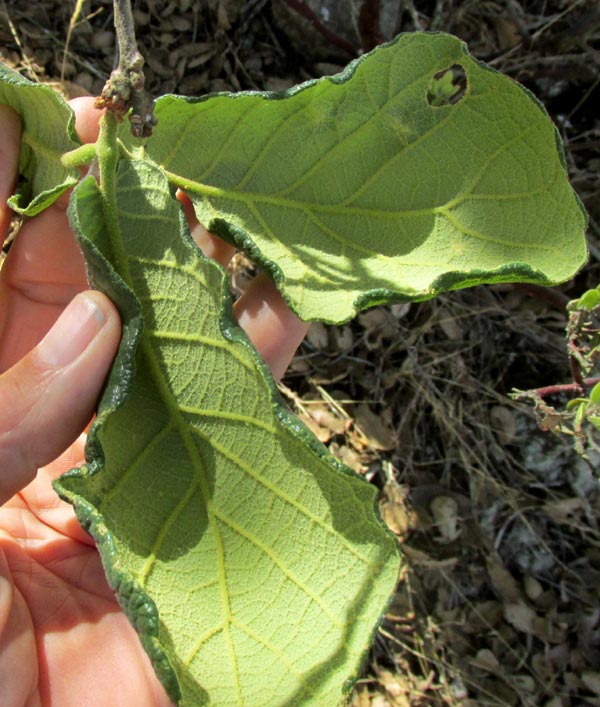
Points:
(579, 418)
(254, 566)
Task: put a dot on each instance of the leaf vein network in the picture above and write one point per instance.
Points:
(491, 239)
(384, 164)
(252, 473)
(150, 562)
(202, 340)
(183, 135)
(226, 415)
(299, 675)
(276, 560)
(273, 135)
(147, 217)
(187, 661)
(340, 144)
(139, 460)
(231, 137)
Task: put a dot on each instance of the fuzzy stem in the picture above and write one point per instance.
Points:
(79, 157)
(124, 89)
(129, 56)
(108, 159)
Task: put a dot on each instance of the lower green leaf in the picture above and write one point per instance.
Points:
(254, 566)
(48, 131)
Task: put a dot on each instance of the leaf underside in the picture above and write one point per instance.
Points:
(354, 190)
(48, 131)
(253, 566)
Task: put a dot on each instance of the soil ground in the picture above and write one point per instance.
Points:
(498, 599)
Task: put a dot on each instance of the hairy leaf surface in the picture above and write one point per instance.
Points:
(48, 132)
(252, 564)
(363, 188)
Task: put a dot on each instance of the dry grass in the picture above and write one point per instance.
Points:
(498, 522)
(498, 600)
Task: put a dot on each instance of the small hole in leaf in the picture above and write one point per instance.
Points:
(447, 87)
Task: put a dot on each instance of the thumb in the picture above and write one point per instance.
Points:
(48, 397)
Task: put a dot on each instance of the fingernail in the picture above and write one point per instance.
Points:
(72, 332)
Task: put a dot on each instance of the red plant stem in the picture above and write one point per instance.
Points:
(562, 388)
(553, 298)
(370, 30)
(339, 42)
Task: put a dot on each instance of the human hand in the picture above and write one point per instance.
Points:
(63, 638)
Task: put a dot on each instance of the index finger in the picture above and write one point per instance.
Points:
(88, 118)
(10, 129)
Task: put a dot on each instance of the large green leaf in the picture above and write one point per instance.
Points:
(252, 564)
(48, 132)
(354, 190)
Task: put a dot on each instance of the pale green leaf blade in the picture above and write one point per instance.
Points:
(254, 566)
(354, 190)
(48, 132)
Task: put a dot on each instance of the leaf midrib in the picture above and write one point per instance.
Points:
(208, 190)
(250, 198)
(41, 148)
(201, 483)
(109, 189)
(342, 208)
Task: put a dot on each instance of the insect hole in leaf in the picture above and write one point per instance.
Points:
(447, 87)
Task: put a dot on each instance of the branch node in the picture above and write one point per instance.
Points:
(124, 90)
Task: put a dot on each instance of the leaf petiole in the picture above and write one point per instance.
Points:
(79, 157)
